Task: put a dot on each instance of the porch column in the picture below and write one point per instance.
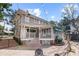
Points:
(39, 32)
(29, 32)
(52, 35)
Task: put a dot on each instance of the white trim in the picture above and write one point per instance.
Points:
(37, 38)
(29, 39)
(45, 39)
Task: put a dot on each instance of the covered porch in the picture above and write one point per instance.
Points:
(42, 33)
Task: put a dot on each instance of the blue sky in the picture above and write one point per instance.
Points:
(47, 11)
(50, 11)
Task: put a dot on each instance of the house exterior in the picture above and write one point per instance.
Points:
(29, 27)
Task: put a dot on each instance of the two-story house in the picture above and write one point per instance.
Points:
(29, 27)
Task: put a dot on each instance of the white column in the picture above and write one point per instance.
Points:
(26, 33)
(29, 32)
(47, 32)
(52, 34)
(39, 33)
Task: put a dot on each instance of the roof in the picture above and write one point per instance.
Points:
(21, 12)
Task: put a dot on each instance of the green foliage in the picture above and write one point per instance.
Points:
(56, 26)
(1, 16)
(1, 27)
(64, 23)
(53, 23)
(4, 6)
(58, 40)
(68, 16)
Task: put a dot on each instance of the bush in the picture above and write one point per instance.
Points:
(58, 40)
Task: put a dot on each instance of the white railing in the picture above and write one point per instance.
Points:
(27, 35)
(46, 35)
(32, 35)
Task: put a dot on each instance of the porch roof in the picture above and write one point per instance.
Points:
(36, 25)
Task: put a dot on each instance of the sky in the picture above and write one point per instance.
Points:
(47, 11)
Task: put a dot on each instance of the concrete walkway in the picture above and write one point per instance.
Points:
(23, 51)
(5, 52)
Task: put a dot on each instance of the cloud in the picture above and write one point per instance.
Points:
(52, 17)
(30, 11)
(36, 11)
(55, 18)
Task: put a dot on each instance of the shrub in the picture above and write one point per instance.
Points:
(58, 40)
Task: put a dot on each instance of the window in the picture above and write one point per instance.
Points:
(31, 30)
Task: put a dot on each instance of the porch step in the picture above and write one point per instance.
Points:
(34, 44)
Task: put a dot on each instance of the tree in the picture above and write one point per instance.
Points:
(55, 26)
(53, 23)
(69, 14)
(4, 7)
(5, 11)
(1, 28)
